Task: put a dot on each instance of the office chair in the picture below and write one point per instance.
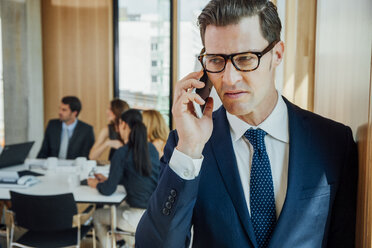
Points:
(111, 236)
(48, 220)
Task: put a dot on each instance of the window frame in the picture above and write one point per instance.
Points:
(173, 50)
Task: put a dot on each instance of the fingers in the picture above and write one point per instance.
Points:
(92, 182)
(188, 82)
(191, 96)
(98, 176)
(193, 75)
(101, 178)
(208, 110)
(183, 103)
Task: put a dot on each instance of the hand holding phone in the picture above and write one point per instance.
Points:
(192, 132)
(203, 93)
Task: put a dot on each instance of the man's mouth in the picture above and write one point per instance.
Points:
(235, 93)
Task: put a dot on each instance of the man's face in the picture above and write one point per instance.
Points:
(65, 113)
(243, 93)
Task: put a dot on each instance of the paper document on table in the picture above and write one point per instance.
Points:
(11, 179)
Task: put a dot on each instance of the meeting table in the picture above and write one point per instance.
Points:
(64, 177)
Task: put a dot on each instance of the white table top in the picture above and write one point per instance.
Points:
(56, 181)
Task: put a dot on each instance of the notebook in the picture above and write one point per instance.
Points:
(11, 179)
(15, 154)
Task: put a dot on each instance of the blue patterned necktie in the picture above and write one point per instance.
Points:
(262, 202)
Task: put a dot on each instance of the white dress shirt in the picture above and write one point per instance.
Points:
(69, 128)
(277, 147)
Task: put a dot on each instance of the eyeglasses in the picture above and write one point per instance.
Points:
(245, 61)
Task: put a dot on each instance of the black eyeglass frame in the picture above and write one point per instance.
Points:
(231, 56)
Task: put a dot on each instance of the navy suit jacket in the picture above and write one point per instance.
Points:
(319, 208)
(79, 144)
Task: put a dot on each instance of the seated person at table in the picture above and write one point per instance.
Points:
(109, 136)
(134, 165)
(157, 129)
(67, 137)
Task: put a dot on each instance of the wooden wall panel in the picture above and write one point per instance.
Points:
(77, 56)
(363, 230)
(364, 211)
(367, 235)
(299, 58)
(343, 51)
(343, 87)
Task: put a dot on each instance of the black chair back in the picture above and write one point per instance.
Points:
(43, 213)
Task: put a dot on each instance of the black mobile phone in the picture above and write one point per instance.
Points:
(203, 93)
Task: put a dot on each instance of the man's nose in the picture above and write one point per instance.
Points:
(231, 75)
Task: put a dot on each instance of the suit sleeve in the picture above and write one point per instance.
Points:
(45, 146)
(118, 164)
(167, 220)
(343, 218)
(88, 142)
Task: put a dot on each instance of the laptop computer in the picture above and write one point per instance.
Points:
(15, 154)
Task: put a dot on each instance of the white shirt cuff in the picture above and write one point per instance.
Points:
(184, 166)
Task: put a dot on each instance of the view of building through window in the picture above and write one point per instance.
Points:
(144, 50)
(144, 54)
(190, 43)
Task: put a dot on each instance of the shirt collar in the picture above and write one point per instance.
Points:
(276, 124)
(70, 127)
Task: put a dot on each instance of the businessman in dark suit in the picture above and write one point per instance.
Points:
(260, 171)
(67, 137)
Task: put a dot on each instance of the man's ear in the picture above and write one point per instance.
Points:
(75, 113)
(278, 53)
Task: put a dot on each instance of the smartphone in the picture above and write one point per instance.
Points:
(203, 93)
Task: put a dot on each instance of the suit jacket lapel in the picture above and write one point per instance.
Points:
(223, 151)
(299, 137)
(58, 137)
(74, 137)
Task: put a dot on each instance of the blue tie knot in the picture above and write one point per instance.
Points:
(257, 138)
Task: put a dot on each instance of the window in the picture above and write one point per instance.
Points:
(190, 43)
(154, 79)
(154, 47)
(143, 36)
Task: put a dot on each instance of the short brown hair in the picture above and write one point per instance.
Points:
(73, 102)
(227, 12)
(117, 107)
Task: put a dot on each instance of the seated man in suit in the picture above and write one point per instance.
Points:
(67, 137)
(260, 171)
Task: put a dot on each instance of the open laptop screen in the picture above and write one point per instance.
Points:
(15, 154)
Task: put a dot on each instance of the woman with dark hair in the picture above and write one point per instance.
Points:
(134, 165)
(109, 136)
